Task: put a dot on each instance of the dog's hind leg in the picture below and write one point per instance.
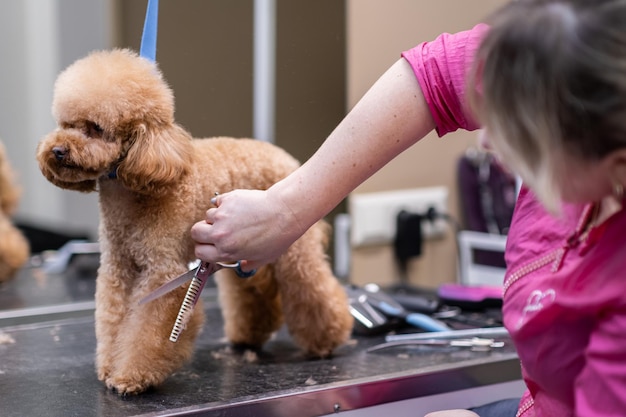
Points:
(315, 304)
(250, 307)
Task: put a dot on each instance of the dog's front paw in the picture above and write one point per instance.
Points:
(103, 373)
(133, 384)
(104, 366)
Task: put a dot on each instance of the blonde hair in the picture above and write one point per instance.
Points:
(550, 79)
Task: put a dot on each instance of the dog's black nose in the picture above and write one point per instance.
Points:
(59, 152)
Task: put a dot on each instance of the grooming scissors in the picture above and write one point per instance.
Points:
(198, 276)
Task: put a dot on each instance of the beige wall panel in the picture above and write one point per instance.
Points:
(377, 32)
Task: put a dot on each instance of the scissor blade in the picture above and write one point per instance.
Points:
(169, 286)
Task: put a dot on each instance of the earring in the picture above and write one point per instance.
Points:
(618, 191)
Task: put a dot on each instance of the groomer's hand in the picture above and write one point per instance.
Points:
(251, 226)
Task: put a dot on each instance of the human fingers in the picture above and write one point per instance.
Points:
(206, 250)
(201, 232)
(216, 238)
(203, 248)
(218, 197)
(210, 216)
(245, 225)
(249, 265)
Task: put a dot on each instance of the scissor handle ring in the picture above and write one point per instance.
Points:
(243, 274)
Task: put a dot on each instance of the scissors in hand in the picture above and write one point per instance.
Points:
(198, 276)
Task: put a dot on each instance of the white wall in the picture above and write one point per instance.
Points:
(37, 40)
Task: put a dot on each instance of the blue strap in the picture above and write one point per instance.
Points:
(149, 36)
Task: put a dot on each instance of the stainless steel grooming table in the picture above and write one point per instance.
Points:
(47, 365)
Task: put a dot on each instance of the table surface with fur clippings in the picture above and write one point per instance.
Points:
(47, 365)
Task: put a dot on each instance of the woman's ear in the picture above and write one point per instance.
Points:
(616, 165)
(158, 158)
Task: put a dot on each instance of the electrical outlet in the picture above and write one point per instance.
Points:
(373, 215)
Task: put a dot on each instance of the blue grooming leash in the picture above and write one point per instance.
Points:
(149, 35)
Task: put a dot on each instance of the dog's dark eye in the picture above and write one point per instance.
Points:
(93, 130)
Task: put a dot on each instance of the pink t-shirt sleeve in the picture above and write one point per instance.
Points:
(441, 67)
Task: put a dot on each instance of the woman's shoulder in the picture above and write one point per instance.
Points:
(441, 67)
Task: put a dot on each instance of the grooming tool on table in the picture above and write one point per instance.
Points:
(198, 277)
(416, 302)
(368, 320)
(463, 333)
(475, 344)
(476, 297)
(376, 311)
(64, 256)
(389, 306)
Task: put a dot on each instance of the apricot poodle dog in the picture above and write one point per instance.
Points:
(14, 248)
(116, 135)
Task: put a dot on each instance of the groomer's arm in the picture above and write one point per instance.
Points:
(258, 226)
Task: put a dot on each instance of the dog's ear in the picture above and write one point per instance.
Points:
(158, 158)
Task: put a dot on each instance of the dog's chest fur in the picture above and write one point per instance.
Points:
(135, 220)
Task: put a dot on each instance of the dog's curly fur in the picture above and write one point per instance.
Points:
(117, 135)
(14, 248)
